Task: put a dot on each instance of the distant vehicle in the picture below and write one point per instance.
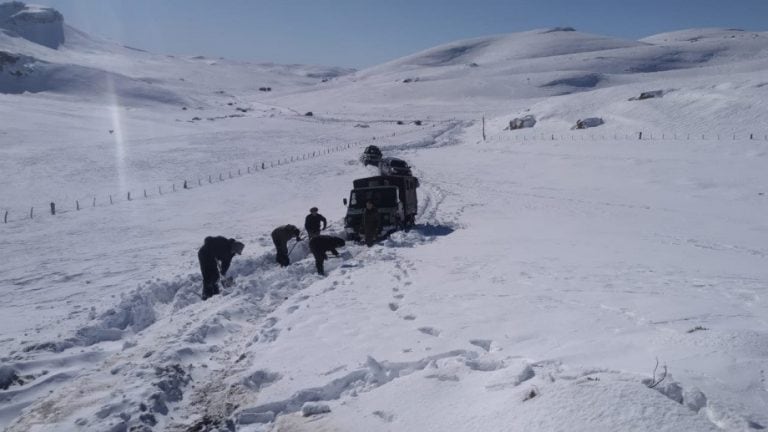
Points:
(371, 156)
(394, 197)
(390, 166)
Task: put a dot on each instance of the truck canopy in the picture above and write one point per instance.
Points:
(402, 182)
(381, 196)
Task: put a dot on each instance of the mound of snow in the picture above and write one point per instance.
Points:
(38, 24)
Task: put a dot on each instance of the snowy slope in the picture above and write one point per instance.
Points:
(544, 279)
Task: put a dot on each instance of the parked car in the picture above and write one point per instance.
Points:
(371, 156)
(390, 166)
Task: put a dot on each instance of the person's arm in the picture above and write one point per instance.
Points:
(306, 222)
(225, 264)
(325, 222)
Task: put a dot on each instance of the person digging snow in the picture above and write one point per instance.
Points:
(215, 257)
(371, 220)
(319, 245)
(313, 221)
(280, 236)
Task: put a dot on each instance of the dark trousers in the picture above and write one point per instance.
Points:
(282, 252)
(210, 270)
(319, 260)
(313, 233)
(370, 238)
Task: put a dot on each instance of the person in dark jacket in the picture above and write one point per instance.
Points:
(313, 221)
(215, 257)
(280, 236)
(319, 245)
(371, 221)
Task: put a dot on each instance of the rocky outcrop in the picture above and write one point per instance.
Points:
(38, 24)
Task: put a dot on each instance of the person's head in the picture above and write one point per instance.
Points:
(313, 210)
(369, 204)
(237, 247)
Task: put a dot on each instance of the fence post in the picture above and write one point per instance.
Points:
(53, 209)
(94, 202)
(751, 136)
(640, 135)
(129, 196)
(77, 205)
(110, 200)
(185, 185)
(199, 181)
(5, 219)
(145, 193)
(263, 165)
(210, 180)
(174, 187)
(31, 212)
(238, 171)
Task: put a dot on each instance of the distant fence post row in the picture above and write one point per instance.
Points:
(185, 184)
(641, 136)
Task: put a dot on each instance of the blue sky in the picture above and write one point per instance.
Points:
(360, 33)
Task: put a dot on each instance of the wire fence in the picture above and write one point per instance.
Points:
(583, 135)
(55, 208)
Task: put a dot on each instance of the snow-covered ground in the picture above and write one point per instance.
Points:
(556, 280)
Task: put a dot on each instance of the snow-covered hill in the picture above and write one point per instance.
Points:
(556, 279)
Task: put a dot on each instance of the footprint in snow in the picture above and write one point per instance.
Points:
(384, 416)
(292, 309)
(393, 307)
(430, 331)
(398, 296)
(482, 343)
(409, 317)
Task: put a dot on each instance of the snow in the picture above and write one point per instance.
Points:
(555, 279)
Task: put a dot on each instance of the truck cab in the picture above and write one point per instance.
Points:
(393, 196)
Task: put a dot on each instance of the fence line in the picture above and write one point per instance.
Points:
(635, 136)
(56, 209)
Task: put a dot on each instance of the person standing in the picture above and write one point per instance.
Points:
(319, 245)
(280, 237)
(313, 221)
(371, 222)
(215, 256)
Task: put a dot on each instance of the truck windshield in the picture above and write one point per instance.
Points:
(381, 197)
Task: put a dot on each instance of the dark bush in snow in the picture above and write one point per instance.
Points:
(588, 123)
(648, 95)
(309, 114)
(528, 121)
